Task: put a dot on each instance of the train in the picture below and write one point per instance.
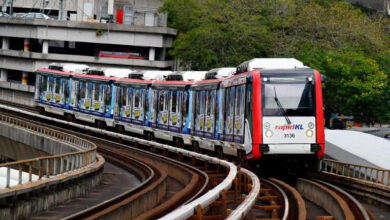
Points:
(264, 107)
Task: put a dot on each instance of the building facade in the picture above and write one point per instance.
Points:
(79, 32)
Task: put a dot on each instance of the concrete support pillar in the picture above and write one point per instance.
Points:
(24, 78)
(4, 75)
(5, 43)
(26, 45)
(45, 47)
(152, 54)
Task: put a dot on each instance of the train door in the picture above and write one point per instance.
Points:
(209, 114)
(185, 109)
(220, 114)
(118, 102)
(85, 95)
(199, 112)
(138, 106)
(239, 114)
(98, 91)
(153, 108)
(229, 117)
(59, 85)
(66, 86)
(41, 87)
(75, 94)
(163, 112)
(108, 96)
(126, 101)
(48, 94)
(175, 110)
(148, 105)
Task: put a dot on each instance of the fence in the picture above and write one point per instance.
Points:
(367, 173)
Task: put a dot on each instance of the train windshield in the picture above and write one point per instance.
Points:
(288, 96)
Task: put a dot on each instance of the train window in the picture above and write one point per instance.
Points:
(89, 91)
(66, 89)
(248, 108)
(147, 91)
(198, 104)
(51, 83)
(83, 89)
(154, 105)
(107, 97)
(56, 85)
(295, 96)
(80, 90)
(96, 91)
(229, 99)
(129, 96)
(137, 98)
(161, 100)
(173, 101)
(44, 83)
(185, 107)
(240, 100)
(222, 110)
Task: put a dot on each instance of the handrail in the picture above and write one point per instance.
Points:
(362, 172)
(49, 165)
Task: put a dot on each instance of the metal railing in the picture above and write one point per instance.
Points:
(48, 166)
(367, 173)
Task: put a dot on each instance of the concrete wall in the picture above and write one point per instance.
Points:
(17, 93)
(38, 142)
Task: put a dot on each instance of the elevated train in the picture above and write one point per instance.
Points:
(266, 107)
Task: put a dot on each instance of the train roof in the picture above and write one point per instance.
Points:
(269, 63)
(154, 74)
(132, 81)
(93, 77)
(218, 73)
(117, 72)
(165, 83)
(69, 67)
(187, 76)
(50, 71)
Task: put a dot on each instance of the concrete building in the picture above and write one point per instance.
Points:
(382, 6)
(138, 38)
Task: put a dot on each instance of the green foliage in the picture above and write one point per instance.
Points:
(332, 36)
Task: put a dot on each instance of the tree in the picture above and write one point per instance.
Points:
(343, 43)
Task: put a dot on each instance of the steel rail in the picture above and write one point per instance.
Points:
(284, 196)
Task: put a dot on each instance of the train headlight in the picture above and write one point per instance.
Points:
(309, 133)
(311, 125)
(269, 133)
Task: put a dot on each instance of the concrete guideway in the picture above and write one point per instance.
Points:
(75, 160)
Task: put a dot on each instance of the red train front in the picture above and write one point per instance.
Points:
(287, 114)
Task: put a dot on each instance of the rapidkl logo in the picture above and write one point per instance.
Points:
(289, 127)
